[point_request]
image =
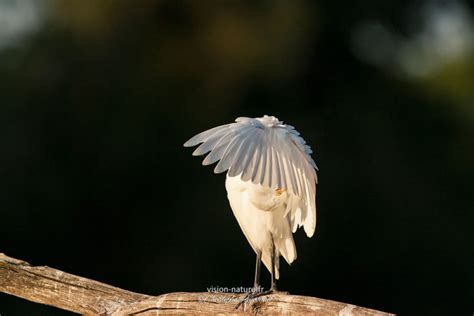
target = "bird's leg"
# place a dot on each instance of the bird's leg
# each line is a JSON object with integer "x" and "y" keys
{"x": 275, "y": 263}
{"x": 273, "y": 281}
{"x": 256, "y": 285}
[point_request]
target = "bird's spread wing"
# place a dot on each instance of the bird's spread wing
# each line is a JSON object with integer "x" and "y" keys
{"x": 266, "y": 152}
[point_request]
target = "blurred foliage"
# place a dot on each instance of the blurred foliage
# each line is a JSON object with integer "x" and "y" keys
{"x": 98, "y": 99}
{"x": 455, "y": 83}
{"x": 214, "y": 47}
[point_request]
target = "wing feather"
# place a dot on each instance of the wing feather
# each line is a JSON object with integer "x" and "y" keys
{"x": 245, "y": 159}
{"x": 237, "y": 167}
{"x": 277, "y": 182}
{"x": 210, "y": 143}
{"x": 232, "y": 150}
{"x": 268, "y": 172}
{"x": 285, "y": 183}
{"x": 260, "y": 175}
{"x": 218, "y": 149}
{"x": 272, "y": 154}
{"x": 204, "y": 136}
{"x": 257, "y": 169}
{"x": 289, "y": 161}
{"x": 254, "y": 156}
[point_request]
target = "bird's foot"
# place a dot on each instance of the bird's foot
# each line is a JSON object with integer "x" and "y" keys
{"x": 256, "y": 293}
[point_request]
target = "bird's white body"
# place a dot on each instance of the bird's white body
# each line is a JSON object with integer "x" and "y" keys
{"x": 260, "y": 212}
{"x": 271, "y": 182}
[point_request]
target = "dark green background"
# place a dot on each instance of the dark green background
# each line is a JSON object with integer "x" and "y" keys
{"x": 96, "y": 104}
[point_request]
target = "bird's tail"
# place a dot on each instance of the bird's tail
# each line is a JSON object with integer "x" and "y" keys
{"x": 285, "y": 247}
{"x": 267, "y": 261}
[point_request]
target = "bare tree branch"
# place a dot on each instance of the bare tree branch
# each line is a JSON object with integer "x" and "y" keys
{"x": 53, "y": 287}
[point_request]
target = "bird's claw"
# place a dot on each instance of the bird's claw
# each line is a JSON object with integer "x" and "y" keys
{"x": 255, "y": 293}
{"x": 249, "y": 296}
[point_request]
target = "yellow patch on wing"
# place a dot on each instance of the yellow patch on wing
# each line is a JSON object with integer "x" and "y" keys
{"x": 279, "y": 192}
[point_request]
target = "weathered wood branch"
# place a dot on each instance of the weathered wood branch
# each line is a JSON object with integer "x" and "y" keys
{"x": 49, "y": 286}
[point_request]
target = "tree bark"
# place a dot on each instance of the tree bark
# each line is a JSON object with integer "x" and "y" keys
{"x": 53, "y": 287}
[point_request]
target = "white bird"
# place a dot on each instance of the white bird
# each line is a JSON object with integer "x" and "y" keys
{"x": 271, "y": 184}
